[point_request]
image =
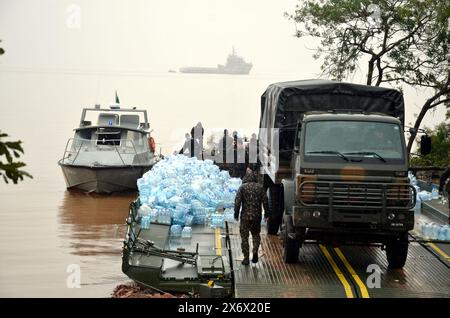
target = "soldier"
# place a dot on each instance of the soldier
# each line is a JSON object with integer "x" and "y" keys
{"x": 443, "y": 183}
{"x": 251, "y": 196}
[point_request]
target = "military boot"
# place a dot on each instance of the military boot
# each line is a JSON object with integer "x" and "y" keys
{"x": 255, "y": 258}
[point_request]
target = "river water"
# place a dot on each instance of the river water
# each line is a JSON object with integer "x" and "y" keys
{"x": 46, "y": 230}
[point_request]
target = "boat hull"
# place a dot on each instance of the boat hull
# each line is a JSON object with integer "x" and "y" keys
{"x": 213, "y": 70}
{"x": 102, "y": 179}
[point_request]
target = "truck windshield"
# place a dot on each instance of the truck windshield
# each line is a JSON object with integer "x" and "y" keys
{"x": 377, "y": 140}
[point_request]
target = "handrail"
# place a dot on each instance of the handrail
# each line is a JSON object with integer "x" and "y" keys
{"x": 135, "y": 151}
{"x": 78, "y": 152}
{"x": 123, "y": 162}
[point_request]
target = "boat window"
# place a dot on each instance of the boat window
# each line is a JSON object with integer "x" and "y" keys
{"x": 129, "y": 121}
{"x": 134, "y": 138}
{"x": 105, "y": 119}
{"x": 111, "y": 138}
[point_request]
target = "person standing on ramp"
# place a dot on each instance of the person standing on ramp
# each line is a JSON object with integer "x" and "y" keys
{"x": 252, "y": 197}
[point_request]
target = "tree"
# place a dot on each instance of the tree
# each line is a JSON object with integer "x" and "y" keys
{"x": 11, "y": 169}
{"x": 11, "y": 149}
{"x": 402, "y": 41}
{"x": 440, "y": 153}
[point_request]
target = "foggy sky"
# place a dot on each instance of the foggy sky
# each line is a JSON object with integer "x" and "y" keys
{"x": 153, "y": 36}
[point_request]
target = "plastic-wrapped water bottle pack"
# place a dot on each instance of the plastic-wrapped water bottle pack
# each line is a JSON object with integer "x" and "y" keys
{"x": 191, "y": 190}
{"x": 434, "y": 231}
{"x": 228, "y": 216}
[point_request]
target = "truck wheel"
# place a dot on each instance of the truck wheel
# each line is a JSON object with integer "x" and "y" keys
{"x": 397, "y": 251}
{"x": 291, "y": 247}
{"x": 276, "y": 203}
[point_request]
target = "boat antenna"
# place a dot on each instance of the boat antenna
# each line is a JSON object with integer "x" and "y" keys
{"x": 117, "y": 98}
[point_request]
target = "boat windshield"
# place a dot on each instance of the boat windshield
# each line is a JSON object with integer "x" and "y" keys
{"x": 134, "y": 119}
{"x": 378, "y": 141}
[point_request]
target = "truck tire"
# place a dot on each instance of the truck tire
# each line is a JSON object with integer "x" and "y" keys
{"x": 397, "y": 251}
{"x": 276, "y": 205}
{"x": 291, "y": 247}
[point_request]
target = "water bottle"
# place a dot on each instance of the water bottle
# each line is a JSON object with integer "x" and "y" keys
{"x": 167, "y": 217}
{"x": 442, "y": 233}
{"x": 175, "y": 230}
{"x": 186, "y": 232}
{"x": 425, "y": 229}
{"x": 153, "y": 216}
{"x": 418, "y": 206}
{"x": 188, "y": 220}
{"x": 145, "y": 222}
{"x": 144, "y": 193}
{"x": 434, "y": 231}
{"x": 435, "y": 193}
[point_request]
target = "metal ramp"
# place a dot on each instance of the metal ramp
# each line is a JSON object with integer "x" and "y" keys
{"x": 338, "y": 272}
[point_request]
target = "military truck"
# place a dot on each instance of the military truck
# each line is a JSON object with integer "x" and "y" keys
{"x": 334, "y": 163}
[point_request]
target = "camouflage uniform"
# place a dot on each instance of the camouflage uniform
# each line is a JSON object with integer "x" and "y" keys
{"x": 251, "y": 196}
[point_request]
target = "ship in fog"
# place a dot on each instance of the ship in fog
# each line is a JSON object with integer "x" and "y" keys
{"x": 235, "y": 64}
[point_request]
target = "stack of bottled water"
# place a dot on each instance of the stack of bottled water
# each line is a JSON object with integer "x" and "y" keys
{"x": 422, "y": 195}
{"x": 413, "y": 182}
{"x": 217, "y": 220}
{"x": 434, "y": 231}
{"x": 425, "y": 196}
{"x": 183, "y": 191}
{"x": 164, "y": 216}
{"x": 412, "y": 178}
{"x": 228, "y": 216}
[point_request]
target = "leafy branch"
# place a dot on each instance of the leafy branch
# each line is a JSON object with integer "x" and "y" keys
{"x": 11, "y": 169}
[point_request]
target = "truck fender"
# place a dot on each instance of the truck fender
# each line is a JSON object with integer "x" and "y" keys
{"x": 289, "y": 195}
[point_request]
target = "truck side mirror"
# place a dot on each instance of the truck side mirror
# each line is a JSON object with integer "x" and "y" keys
{"x": 425, "y": 145}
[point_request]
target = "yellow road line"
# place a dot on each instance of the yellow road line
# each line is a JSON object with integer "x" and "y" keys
{"x": 218, "y": 242}
{"x": 362, "y": 287}
{"x": 441, "y": 252}
{"x": 337, "y": 271}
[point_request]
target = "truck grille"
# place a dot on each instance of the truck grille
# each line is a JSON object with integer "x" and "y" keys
{"x": 357, "y": 195}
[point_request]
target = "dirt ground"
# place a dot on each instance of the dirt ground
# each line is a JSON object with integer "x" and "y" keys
{"x": 132, "y": 290}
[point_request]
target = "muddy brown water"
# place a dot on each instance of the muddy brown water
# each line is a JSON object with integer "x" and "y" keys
{"x": 38, "y": 249}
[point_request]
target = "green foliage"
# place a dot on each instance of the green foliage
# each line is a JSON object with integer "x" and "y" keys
{"x": 440, "y": 154}
{"x": 402, "y": 40}
{"x": 11, "y": 169}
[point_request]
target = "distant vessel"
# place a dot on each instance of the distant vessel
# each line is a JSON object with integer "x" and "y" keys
{"x": 235, "y": 65}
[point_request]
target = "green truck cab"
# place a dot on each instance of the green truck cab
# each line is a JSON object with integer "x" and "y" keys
{"x": 334, "y": 162}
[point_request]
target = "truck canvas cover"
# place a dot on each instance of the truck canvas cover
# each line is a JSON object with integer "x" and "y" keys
{"x": 283, "y": 105}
